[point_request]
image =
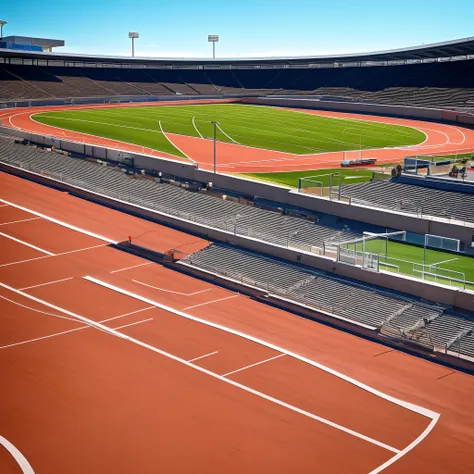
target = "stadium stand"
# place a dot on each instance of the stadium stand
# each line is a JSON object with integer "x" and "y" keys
{"x": 394, "y": 315}
{"x": 439, "y": 84}
{"x": 234, "y": 217}
{"x": 412, "y": 198}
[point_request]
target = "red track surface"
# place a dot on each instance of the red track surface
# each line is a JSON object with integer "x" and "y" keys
{"x": 86, "y": 401}
{"x": 441, "y": 139}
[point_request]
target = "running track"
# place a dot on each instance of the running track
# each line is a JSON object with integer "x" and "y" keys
{"x": 440, "y": 139}
{"x": 181, "y": 395}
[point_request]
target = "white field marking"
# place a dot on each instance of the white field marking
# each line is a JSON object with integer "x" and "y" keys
{"x": 253, "y": 365}
{"x": 61, "y": 223}
{"x": 26, "y": 243}
{"x": 47, "y": 283}
{"x": 133, "y": 266}
{"x": 172, "y": 291}
{"x": 210, "y": 302}
{"x": 54, "y": 255}
{"x": 195, "y": 128}
{"x": 409, "y": 406}
{"x": 444, "y": 261}
{"x": 14, "y": 344}
{"x": 228, "y": 136}
{"x": 169, "y": 139}
{"x": 21, "y": 220}
{"x": 202, "y": 357}
{"x": 133, "y": 324}
{"x": 118, "y": 334}
{"x": 25, "y": 466}
{"x": 409, "y": 447}
{"x": 3, "y": 205}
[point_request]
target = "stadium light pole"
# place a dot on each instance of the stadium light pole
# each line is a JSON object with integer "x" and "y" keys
{"x": 132, "y": 35}
{"x": 215, "y": 141}
{"x": 213, "y": 39}
{"x": 2, "y": 22}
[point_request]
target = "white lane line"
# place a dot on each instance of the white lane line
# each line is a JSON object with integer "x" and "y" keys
{"x": 172, "y": 291}
{"x": 61, "y": 223}
{"x": 133, "y": 266}
{"x": 133, "y": 324}
{"x": 202, "y": 357}
{"x": 47, "y": 283}
{"x": 195, "y": 128}
{"x": 25, "y": 466}
{"x": 54, "y": 255}
{"x": 113, "y": 332}
{"x": 253, "y": 365}
{"x": 210, "y": 302}
{"x": 21, "y": 343}
{"x": 444, "y": 261}
{"x": 21, "y": 220}
{"x": 402, "y": 403}
{"x": 26, "y": 243}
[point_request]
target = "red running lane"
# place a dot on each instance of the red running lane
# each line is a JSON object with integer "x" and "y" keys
{"x": 441, "y": 139}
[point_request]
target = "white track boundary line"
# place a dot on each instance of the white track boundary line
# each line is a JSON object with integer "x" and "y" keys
{"x": 27, "y": 244}
{"x": 210, "y": 302}
{"x": 21, "y": 220}
{"x": 47, "y": 283}
{"x": 61, "y": 223}
{"x": 409, "y": 406}
{"x": 195, "y": 127}
{"x": 25, "y": 466}
{"x": 203, "y": 356}
{"x": 228, "y": 136}
{"x": 172, "y": 291}
{"x": 133, "y": 324}
{"x": 253, "y": 365}
{"x": 169, "y": 140}
{"x": 133, "y": 266}
{"x": 113, "y": 332}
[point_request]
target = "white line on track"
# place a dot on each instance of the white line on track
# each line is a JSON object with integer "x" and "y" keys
{"x": 61, "y": 223}
{"x": 210, "y": 302}
{"x": 21, "y": 220}
{"x": 27, "y": 244}
{"x": 203, "y": 356}
{"x": 172, "y": 291}
{"x": 253, "y": 365}
{"x": 172, "y": 144}
{"x": 133, "y": 266}
{"x": 133, "y": 324}
{"x": 25, "y": 466}
{"x": 47, "y": 283}
{"x": 264, "y": 396}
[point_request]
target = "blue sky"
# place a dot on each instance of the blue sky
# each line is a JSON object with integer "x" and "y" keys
{"x": 246, "y": 28}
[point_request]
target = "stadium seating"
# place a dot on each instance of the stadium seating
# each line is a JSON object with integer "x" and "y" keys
{"x": 232, "y": 216}
{"x": 438, "y": 84}
{"x": 411, "y": 198}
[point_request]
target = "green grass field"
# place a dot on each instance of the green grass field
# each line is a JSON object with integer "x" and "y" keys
{"x": 256, "y": 126}
{"x": 290, "y": 179}
{"x": 401, "y": 258}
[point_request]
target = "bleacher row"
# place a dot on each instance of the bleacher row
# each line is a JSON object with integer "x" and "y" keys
{"x": 445, "y": 85}
{"x": 393, "y": 315}
{"x": 211, "y": 211}
{"x": 411, "y": 198}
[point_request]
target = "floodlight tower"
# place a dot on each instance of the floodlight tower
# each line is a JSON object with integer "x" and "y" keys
{"x": 132, "y": 35}
{"x": 213, "y": 39}
{"x": 2, "y": 22}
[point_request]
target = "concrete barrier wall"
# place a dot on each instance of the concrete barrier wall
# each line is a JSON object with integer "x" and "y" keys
{"x": 426, "y": 290}
{"x": 279, "y": 194}
{"x": 365, "y": 108}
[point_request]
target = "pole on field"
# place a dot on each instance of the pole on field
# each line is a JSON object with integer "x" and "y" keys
{"x": 215, "y": 141}
{"x": 132, "y": 35}
{"x": 213, "y": 39}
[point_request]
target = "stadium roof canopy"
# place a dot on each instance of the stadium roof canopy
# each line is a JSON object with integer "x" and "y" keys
{"x": 44, "y": 43}
{"x": 455, "y": 49}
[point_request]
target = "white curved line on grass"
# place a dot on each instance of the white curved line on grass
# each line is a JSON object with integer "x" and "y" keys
{"x": 172, "y": 144}
{"x": 25, "y": 466}
{"x": 195, "y": 127}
